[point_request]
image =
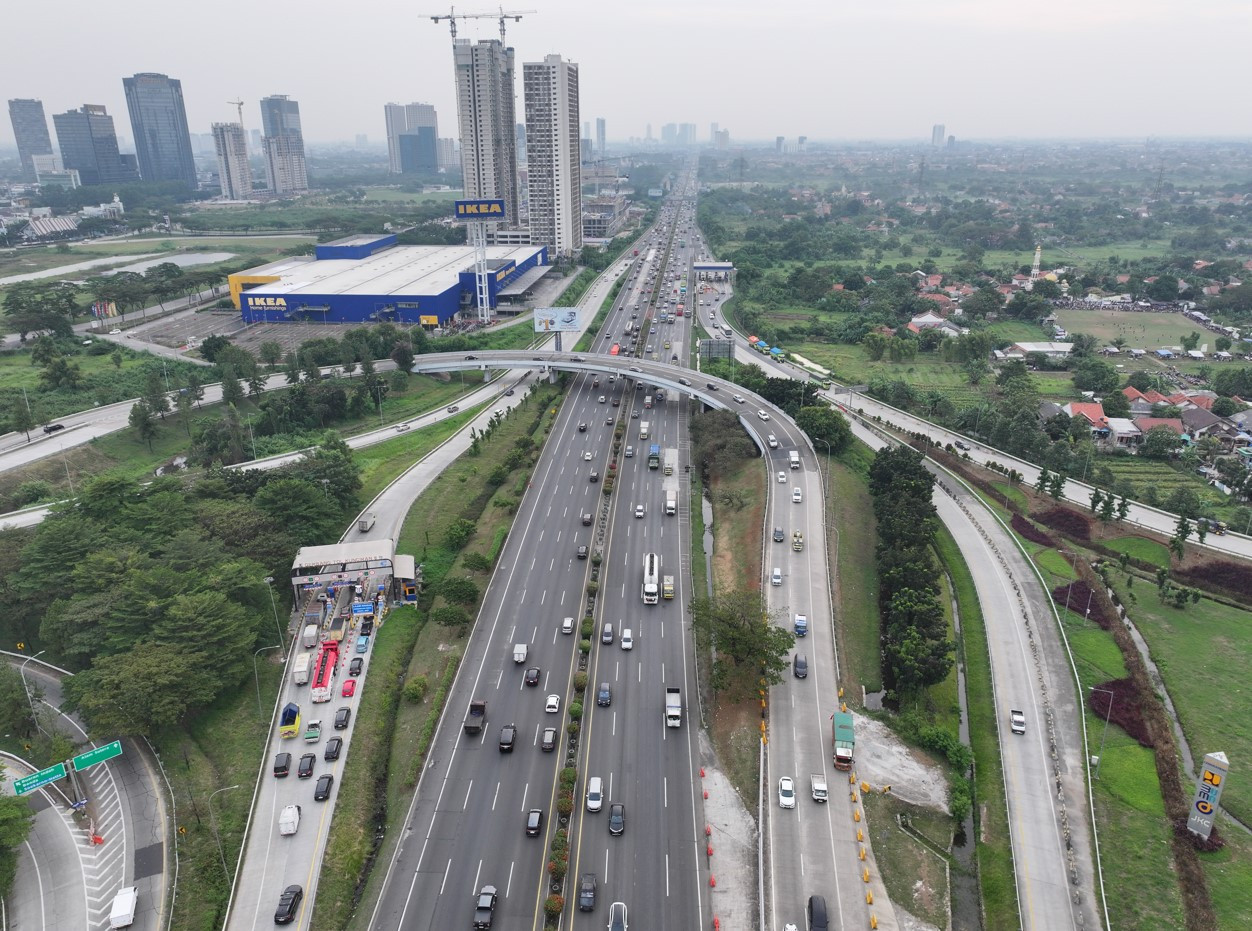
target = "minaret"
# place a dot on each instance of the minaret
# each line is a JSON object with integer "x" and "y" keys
{"x": 1034, "y": 269}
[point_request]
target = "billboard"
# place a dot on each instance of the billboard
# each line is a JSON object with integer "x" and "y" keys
{"x": 556, "y": 320}
{"x": 1208, "y": 793}
{"x": 479, "y": 209}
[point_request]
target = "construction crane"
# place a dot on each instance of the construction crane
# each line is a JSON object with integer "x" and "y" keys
{"x": 502, "y": 14}
{"x": 237, "y": 104}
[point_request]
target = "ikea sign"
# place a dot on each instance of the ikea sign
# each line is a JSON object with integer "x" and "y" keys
{"x": 479, "y": 209}
{"x": 256, "y": 302}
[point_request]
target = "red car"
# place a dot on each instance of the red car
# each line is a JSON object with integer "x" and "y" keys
{"x": 349, "y": 688}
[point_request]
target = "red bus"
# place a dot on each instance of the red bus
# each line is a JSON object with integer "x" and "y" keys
{"x": 615, "y": 350}
{"x": 325, "y": 667}
{"x": 679, "y": 312}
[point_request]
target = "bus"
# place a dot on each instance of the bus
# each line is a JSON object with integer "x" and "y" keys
{"x": 325, "y": 667}
{"x": 651, "y": 590}
{"x": 616, "y": 350}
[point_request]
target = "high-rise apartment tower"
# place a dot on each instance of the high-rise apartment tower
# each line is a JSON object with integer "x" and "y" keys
{"x": 554, "y": 177}
{"x": 484, "y": 100}
{"x": 30, "y": 129}
{"x": 231, "y": 145}
{"x": 158, "y": 119}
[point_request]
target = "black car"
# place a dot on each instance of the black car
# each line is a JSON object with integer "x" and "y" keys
{"x": 548, "y": 744}
{"x": 282, "y": 764}
{"x": 470, "y": 358}
{"x": 532, "y": 676}
{"x": 342, "y": 717}
{"x": 354, "y": 667}
{"x": 582, "y": 428}
{"x": 604, "y": 696}
{"x": 367, "y": 627}
{"x": 587, "y": 892}
{"x": 321, "y": 791}
{"x": 306, "y": 765}
{"x": 508, "y": 736}
{"x": 485, "y": 907}
{"x": 53, "y": 427}
{"x": 617, "y": 819}
{"x": 333, "y": 746}
{"x": 779, "y": 536}
{"x": 534, "y": 822}
{"x": 960, "y": 445}
{"x": 288, "y": 905}
{"x": 800, "y": 666}
{"x": 594, "y": 476}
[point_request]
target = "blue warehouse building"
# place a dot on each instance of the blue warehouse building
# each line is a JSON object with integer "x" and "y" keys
{"x": 370, "y": 279}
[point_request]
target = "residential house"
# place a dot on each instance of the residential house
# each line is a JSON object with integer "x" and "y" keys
{"x": 1124, "y": 433}
{"x": 1093, "y": 413}
{"x": 1052, "y": 350}
{"x": 1047, "y": 410}
{"x": 1140, "y": 405}
{"x": 1199, "y": 422}
{"x": 1147, "y": 424}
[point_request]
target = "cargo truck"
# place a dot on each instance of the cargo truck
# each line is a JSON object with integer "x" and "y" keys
{"x": 122, "y": 914}
{"x": 309, "y": 638}
{"x": 650, "y": 590}
{"x": 797, "y": 541}
{"x": 645, "y": 430}
{"x": 654, "y": 456}
{"x": 671, "y": 461}
{"x": 476, "y": 719}
{"x": 673, "y": 708}
{"x": 289, "y": 723}
{"x": 794, "y": 458}
{"x": 801, "y": 625}
{"x": 667, "y": 587}
{"x": 300, "y": 675}
{"x": 817, "y": 783}
{"x": 366, "y": 522}
{"x": 289, "y": 820}
{"x": 845, "y": 740}
{"x": 671, "y": 502}
{"x": 337, "y": 627}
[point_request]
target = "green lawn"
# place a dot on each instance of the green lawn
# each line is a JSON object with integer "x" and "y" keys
{"x": 1141, "y": 548}
{"x": 1140, "y": 330}
{"x": 851, "y": 548}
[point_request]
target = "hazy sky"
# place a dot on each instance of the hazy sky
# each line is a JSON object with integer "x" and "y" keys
{"x": 876, "y": 69}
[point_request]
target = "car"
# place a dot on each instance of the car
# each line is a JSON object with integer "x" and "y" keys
{"x": 800, "y": 666}
{"x": 534, "y": 822}
{"x": 586, "y": 518}
{"x": 628, "y": 639}
{"x": 617, "y": 402}
{"x": 602, "y": 399}
{"x": 761, "y": 415}
{"x": 53, "y": 427}
{"x": 606, "y": 634}
{"x": 796, "y": 495}
{"x": 115, "y": 332}
{"x": 553, "y": 704}
{"x": 594, "y": 476}
{"x": 582, "y": 551}
{"x": 509, "y": 393}
{"x": 782, "y": 478}
{"x": 453, "y": 408}
{"x": 485, "y": 907}
{"x": 617, "y": 917}
{"x": 772, "y": 441}
{"x": 634, "y": 415}
{"x": 282, "y": 765}
{"x": 638, "y": 510}
{"x": 354, "y": 667}
{"x": 604, "y": 695}
{"x": 342, "y": 717}
{"x": 817, "y": 914}
{"x": 567, "y": 625}
{"x": 635, "y": 368}
{"x": 595, "y": 382}
{"x": 306, "y": 765}
{"x": 532, "y": 676}
{"x": 779, "y": 536}
{"x": 960, "y": 445}
{"x": 685, "y": 381}
{"x": 710, "y": 386}
{"x": 367, "y": 626}
{"x": 548, "y": 743}
{"x": 587, "y": 456}
{"x": 333, "y": 748}
{"x": 288, "y": 905}
{"x": 363, "y": 643}
{"x": 617, "y": 819}
{"x": 582, "y": 428}
{"x": 786, "y": 792}
{"x": 349, "y": 688}
{"x": 652, "y": 331}
{"x": 775, "y": 577}
{"x": 1017, "y": 722}
{"x": 401, "y": 427}
{"x": 630, "y": 452}
{"x": 470, "y": 358}
{"x": 499, "y": 412}
{"x": 608, "y": 421}
{"x": 321, "y": 792}
{"x": 508, "y": 737}
{"x": 587, "y": 892}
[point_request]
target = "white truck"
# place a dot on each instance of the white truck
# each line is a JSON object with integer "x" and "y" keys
{"x": 671, "y": 502}
{"x": 519, "y": 653}
{"x": 122, "y": 914}
{"x": 817, "y": 784}
{"x": 366, "y": 522}
{"x": 673, "y": 707}
{"x": 794, "y": 458}
{"x": 289, "y": 820}
{"x": 300, "y": 674}
{"x": 309, "y": 638}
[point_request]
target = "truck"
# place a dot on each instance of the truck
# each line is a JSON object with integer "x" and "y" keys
{"x": 845, "y": 740}
{"x": 337, "y": 627}
{"x": 671, "y": 502}
{"x": 654, "y": 455}
{"x": 650, "y": 590}
{"x": 794, "y": 458}
{"x": 797, "y": 541}
{"x": 1211, "y": 526}
{"x": 289, "y": 722}
{"x": 519, "y": 653}
{"x": 667, "y": 587}
{"x": 313, "y": 732}
{"x": 645, "y": 429}
{"x": 476, "y": 719}
{"x": 300, "y": 675}
{"x": 817, "y": 785}
{"x": 673, "y": 707}
{"x": 122, "y": 914}
{"x": 647, "y": 402}
{"x": 671, "y": 461}
{"x": 801, "y": 625}
{"x": 289, "y": 820}
{"x": 365, "y": 523}
{"x": 309, "y": 638}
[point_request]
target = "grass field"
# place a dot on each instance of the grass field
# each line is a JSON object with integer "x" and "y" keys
{"x": 1140, "y": 330}
{"x": 851, "y": 548}
{"x": 917, "y": 877}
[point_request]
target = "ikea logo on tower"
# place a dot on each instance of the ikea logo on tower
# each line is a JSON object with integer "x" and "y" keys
{"x": 479, "y": 209}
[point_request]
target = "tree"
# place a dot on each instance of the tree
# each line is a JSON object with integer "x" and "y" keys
{"x": 749, "y": 646}
{"x": 154, "y": 395}
{"x": 270, "y": 352}
{"x": 1222, "y": 344}
{"x": 22, "y": 420}
{"x": 459, "y": 589}
{"x": 450, "y": 616}
{"x": 1096, "y": 376}
{"x": 17, "y": 819}
{"x": 1056, "y": 486}
{"x": 139, "y": 692}
{"x": 825, "y": 425}
{"x": 143, "y": 422}
{"x": 232, "y": 390}
{"x": 458, "y": 534}
{"x": 402, "y": 355}
{"x": 210, "y": 346}
{"x": 1159, "y": 443}
{"x": 1181, "y": 532}
{"x": 1190, "y": 341}
{"x": 195, "y": 388}
{"x": 1116, "y": 404}
{"x": 62, "y": 374}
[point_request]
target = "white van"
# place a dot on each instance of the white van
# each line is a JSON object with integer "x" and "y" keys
{"x": 628, "y": 639}
{"x": 776, "y": 577}
{"x": 796, "y": 496}
{"x": 122, "y": 914}
{"x": 595, "y": 793}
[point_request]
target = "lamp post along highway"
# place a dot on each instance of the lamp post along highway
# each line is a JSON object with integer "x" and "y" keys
{"x": 1108, "y": 711}
{"x": 216, "y": 836}
{"x": 256, "y": 676}
{"x": 26, "y": 688}
{"x": 269, "y": 583}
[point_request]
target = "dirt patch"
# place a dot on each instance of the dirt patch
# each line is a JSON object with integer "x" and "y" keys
{"x": 736, "y": 734}
{"x": 882, "y": 759}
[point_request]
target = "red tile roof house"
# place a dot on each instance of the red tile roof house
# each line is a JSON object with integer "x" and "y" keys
{"x": 1093, "y": 411}
{"x": 1146, "y": 424}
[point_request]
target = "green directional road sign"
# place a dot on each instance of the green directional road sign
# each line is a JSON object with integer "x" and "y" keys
{"x": 41, "y": 778}
{"x": 98, "y": 755}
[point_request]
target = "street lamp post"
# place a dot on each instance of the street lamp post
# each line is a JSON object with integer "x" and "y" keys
{"x": 269, "y": 583}
{"x": 256, "y": 676}
{"x": 826, "y": 490}
{"x": 26, "y": 688}
{"x": 1107, "y": 713}
{"x": 216, "y": 836}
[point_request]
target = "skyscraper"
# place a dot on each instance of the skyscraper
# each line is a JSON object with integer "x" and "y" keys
{"x": 285, "y": 170}
{"x": 30, "y": 129}
{"x": 406, "y": 118}
{"x": 419, "y": 151}
{"x": 88, "y": 144}
{"x": 600, "y": 133}
{"x": 484, "y": 98}
{"x": 158, "y": 119}
{"x": 554, "y": 176}
{"x": 231, "y": 146}
{"x": 937, "y": 134}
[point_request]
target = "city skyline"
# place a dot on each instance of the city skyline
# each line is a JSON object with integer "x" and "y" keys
{"x": 919, "y": 63}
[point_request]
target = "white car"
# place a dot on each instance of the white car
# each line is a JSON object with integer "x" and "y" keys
{"x": 739, "y": 399}
{"x": 567, "y": 625}
{"x": 761, "y": 415}
{"x": 786, "y": 793}
{"x": 773, "y": 441}
{"x": 603, "y": 399}
{"x": 796, "y": 496}
{"x": 587, "y": 458}
{"x": 553, "y": 704}
{"x": 782, "y": 478}
{"x": 639, "y": 510}
{"x": 115, "y": 332}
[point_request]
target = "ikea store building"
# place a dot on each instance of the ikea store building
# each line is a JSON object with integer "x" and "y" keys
{"x": 370, "y": 279}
